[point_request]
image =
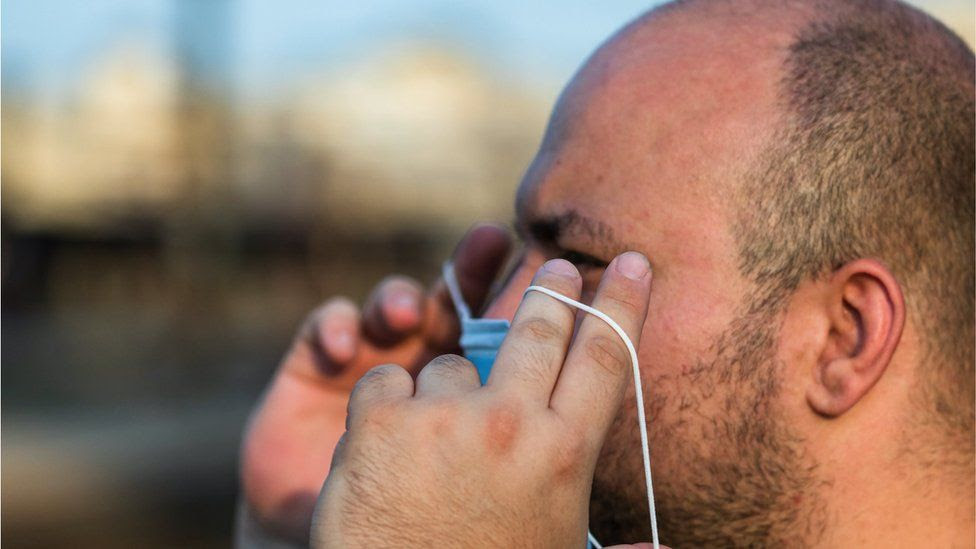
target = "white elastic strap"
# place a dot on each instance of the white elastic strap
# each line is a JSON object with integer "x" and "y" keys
{"x": 594, "y": 544}
{"x": 638, "y": 390}
{"x": 452, "y": 287}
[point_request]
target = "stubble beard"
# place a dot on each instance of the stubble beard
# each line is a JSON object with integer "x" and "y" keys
{"x": 738, "y": 478}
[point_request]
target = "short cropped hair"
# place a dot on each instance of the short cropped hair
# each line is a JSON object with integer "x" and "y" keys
{"x": 875, "y": 159}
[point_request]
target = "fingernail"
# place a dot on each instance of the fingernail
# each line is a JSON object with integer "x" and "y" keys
{"x": 633, "y": 265}
{"x": 403, "y": 300}
{"x": 342, "y": 343}
{"x": 560, "y": 267}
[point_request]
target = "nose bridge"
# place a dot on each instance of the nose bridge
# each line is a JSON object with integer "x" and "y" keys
{"x": 506, "y": 301}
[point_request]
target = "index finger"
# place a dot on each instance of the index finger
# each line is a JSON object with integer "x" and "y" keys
{"x": 596, "y": 370}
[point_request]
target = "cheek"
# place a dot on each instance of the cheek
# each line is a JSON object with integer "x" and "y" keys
{"x": 683, "y": 323}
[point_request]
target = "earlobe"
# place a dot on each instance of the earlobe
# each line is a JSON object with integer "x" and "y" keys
{"x": 867, "y": 314}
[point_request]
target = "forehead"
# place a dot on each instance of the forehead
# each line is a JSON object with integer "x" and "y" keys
{"x": 653, "y": 133}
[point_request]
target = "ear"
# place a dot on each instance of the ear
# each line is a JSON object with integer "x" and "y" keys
{"x": 866, "y": 311}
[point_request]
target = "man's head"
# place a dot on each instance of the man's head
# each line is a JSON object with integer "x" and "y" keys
{"x": 801, "y": 176}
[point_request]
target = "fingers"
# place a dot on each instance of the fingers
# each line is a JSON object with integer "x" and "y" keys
{"x": 386, "y": 383}
{"x": 447, "y": 375}
{"x": 598, "y": 366}
{"x": 533, "y": 352}
{"x": 333, "y": 331}
{"x": 393, "y": 310}
{"x": 478, "y": 258}
{"x": 397, "y": 309}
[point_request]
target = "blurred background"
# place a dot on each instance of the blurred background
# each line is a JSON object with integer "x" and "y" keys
{"x": 182, "y": 180}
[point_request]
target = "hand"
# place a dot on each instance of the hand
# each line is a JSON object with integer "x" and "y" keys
{"x": 444, "y": 462}
{"x": 289, "y": 442}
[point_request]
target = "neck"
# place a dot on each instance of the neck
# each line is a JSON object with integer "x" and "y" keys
{"x": 904, "y": 518}
{"x": 909, "y": 500}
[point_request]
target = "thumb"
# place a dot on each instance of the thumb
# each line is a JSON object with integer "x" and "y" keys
{"x": 479, "y": 256}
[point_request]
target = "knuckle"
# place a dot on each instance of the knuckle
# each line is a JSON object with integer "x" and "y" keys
{"x": 383, "y": 371}
{"x": 538, "y": 330}
{"x": 627, "y": 301}
{"x": 607, "y": 352}
{"x": 378, "y": 416}
{"x": 561, "y": 284}
{"x": 368, "y": 408}
{"x": 535, "y": 364}
{"x": 449, "y": 364}
{"x": 449, "y": 367}
{"x": 442, "y": 417}
{"x": 379, "y": 377}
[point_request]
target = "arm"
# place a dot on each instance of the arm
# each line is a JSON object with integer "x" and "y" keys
{"x": 289, "y": 441}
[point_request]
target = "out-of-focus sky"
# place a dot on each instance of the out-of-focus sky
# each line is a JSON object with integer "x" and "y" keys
{"x": 48, "y": 43}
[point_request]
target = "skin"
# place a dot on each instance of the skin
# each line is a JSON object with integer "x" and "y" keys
{"x": 464, "y": 456}
{"x": 783, "y": 427}
{"x": 290, "y": 439}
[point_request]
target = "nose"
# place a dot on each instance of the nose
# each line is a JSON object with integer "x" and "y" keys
{"x": 508, "y": 298}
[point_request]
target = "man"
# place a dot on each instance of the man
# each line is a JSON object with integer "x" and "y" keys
{"x": 800, "y": 176}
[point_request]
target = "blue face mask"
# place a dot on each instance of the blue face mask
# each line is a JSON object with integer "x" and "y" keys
{"x": 480, "y": 337}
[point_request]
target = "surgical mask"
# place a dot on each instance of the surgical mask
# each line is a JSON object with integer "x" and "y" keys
{"x": 482, "y": 337}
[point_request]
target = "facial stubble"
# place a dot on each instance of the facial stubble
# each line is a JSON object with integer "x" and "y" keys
{"x": 736, "y": 478}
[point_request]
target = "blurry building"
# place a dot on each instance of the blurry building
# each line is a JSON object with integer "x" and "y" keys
{"x": 107, "y": 157}
{"x": 418, "y": 137}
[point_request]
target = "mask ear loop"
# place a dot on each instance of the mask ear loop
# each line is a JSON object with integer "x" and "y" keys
{"x": 639, "y": 391}
{"x": 450, "y": 279}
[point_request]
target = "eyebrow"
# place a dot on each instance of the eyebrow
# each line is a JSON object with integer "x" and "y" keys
{"x": 553, "y": 231}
